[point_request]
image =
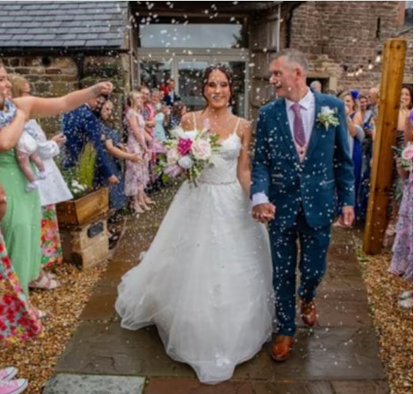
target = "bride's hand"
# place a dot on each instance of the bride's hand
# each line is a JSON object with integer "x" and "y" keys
{"x": 264, "y": 212}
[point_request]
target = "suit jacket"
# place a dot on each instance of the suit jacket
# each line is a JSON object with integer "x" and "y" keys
{"x": 79, "y": 127}
{"x": 291, "y": 185}
{"x": 168, "y": 99}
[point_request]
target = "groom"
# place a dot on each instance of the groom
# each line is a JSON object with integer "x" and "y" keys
{"x": 301, "y": 160}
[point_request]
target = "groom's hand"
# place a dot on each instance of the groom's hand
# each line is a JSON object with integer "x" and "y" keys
{"x": 264, "y": 212}
{"x": 348, "y": 216}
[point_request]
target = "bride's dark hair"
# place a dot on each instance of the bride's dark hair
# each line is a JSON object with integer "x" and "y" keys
{"x": 226, "y": 71}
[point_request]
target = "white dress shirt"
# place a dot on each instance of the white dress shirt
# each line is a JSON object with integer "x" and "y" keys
{"x": 307, "y": 110}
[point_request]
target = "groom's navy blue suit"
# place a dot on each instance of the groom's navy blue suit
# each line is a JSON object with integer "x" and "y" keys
{"x": 303, "y": 193}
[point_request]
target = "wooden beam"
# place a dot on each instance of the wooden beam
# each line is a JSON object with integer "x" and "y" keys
{"x": 383, "y": 158}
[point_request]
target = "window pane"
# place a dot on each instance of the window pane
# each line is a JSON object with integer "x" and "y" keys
{"x": 191, "y": 36}
{"x": 154, "y": 74}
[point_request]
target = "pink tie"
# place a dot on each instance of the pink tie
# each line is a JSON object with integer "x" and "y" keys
{"x": 299, "y": 132}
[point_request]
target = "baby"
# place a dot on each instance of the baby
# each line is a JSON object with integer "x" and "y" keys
{"x": 26, "y": 149}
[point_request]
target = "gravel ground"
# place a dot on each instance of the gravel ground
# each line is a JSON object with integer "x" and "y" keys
{"x": 36, "y": 359}
{"x": 394, "y": 325}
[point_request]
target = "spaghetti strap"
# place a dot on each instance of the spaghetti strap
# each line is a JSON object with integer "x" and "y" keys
{"x": 236, "y": 126}
{"x": 193, "y": 115}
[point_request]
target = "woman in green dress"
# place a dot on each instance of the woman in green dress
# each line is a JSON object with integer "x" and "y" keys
{"x": 21, "y": 224}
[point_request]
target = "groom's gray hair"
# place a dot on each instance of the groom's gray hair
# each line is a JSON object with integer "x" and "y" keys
{"x": 294, "y": 56}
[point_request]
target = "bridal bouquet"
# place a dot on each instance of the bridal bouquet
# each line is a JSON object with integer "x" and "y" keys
{"x": 189, "y": 152}
{"x": 405, "y": 157}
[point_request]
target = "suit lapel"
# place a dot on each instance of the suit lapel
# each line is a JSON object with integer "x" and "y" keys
{"x": 317, "y": 127}
{"x": 284, "y": 128}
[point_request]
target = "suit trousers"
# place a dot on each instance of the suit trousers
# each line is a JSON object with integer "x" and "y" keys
{"x": 314, "y": 243}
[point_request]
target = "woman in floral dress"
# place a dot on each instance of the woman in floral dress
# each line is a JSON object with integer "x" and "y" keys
{"x": 21, "y": 322}
{"x": 402, "y": 261}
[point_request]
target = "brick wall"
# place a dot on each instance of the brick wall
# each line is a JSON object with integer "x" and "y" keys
{"x": 338, "y": 34}
{"x": 53, "y": 76}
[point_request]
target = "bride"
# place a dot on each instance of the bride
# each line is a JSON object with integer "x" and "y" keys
{"x": 206, "y": 281}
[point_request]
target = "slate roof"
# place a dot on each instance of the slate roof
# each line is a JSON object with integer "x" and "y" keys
{"x": 63, "y": 25}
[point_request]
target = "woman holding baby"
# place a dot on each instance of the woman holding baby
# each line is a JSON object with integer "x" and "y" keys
{"x": 21, "y": 226}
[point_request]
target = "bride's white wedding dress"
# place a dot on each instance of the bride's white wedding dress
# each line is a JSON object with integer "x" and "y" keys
{"x": 206, "y": 281}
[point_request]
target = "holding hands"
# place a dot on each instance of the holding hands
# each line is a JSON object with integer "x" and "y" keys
{"x": 264, "y": 212}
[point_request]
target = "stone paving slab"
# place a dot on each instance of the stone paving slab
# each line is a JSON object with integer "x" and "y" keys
{"x": 94, "y": 384}
{"x": 189, "y": 386}
{"x": 324, "y": 354}
{"x": 362, "y": 387}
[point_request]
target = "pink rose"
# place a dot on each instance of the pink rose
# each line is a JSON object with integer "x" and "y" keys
{"x": 173, "y": 171}
{"x": 172, "y": 157}
{"x": 184, "y": 146}
{"x": 408, "y": 152}
{"x": 201, "y": 150}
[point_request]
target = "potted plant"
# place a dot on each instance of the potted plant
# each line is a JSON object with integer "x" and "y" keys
{"x": 82, "y": 221}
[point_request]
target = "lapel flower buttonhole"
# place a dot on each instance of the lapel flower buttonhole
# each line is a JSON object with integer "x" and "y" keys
{"x": 328, "y": 117}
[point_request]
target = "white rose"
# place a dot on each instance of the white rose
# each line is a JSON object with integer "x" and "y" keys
{"x": 177, "y": 132}
{"x": 186, "y": 162}
{"x": 190, "y": 134}
{"x": 201, "y": 150}
{"x": 327, "y": 111}
{"x": 172, "y": 157}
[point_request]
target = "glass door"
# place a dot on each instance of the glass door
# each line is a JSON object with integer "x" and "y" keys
{"x": 189, "y": 74}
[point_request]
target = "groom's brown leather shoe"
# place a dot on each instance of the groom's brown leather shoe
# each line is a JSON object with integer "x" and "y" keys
{"x": 308, "y": 312}
{"x": 281, "y": 348}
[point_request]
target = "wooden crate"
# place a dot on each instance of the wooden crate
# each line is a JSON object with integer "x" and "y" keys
{"x": 83, "y": 210}
{"x": 81, "y": 247}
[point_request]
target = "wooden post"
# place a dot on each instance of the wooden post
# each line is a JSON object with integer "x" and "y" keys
{"x": 383, "y": 155}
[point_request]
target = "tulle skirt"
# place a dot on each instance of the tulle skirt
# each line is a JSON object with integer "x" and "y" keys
{"x": 206, "y": 282}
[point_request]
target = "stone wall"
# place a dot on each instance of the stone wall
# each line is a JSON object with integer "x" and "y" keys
{"x": 339, "y": 37}
{"x": 54, "y": 76}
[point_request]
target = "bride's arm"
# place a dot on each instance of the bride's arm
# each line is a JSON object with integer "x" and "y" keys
{"x": 244, "y": 167}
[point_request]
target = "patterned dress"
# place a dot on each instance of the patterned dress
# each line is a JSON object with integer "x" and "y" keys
{"x": 402, "y": 262}
{"x": 137, "y": 174}
{"x": 18, "y": 321}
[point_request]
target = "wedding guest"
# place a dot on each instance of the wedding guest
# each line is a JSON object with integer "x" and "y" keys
{"x": 19, "y": 321}
{"x": 373, "y": 96}
{"x": 161, "y": 118}
{"x": 137, "y": 174}
{"x": 8, "y": 383}
{"x": 402, "y": 261}
{"x": 171, "y": 97}
{"x": 367, "y": 146}
{"x": 396, "y": 191}
{"x": 148, "y": 113}
{"x": 178, "y": 110}
{"x": 356, "y": 136}
{"x": 80, "y": 127}
{"x": 115, "y": 152}
{"x": 161, "y": 115}
{"x": 23, "y": 216}
{"x": 317, "y": 86}
{"x": 52, "y": 190}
